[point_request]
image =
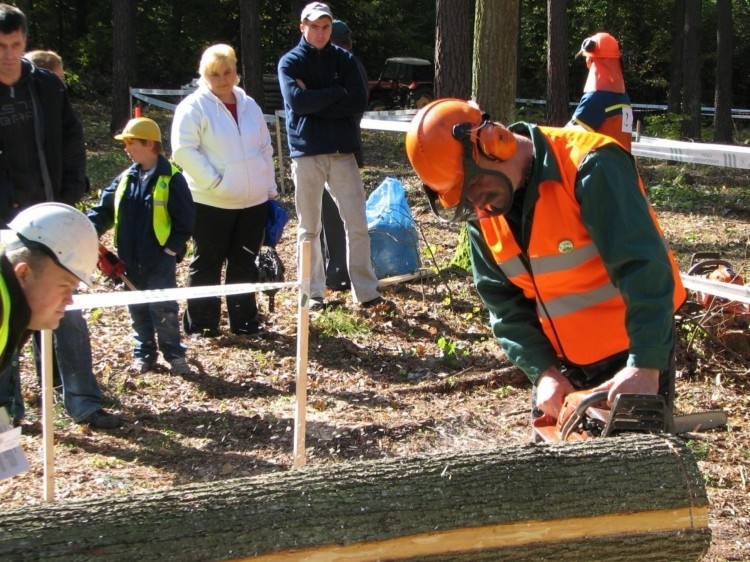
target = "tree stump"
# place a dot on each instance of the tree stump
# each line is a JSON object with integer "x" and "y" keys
{"x": 638, "y": 497}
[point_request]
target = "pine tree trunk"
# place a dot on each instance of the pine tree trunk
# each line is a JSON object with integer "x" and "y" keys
{"x": 558, "y": 61}
{"x": 123, "y": 65}
{"x": 494, "y": 73}
{"x": 615, "y": 499}
{"x": 454, "y": 41}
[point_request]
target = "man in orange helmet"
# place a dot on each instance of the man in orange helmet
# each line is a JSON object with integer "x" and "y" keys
{"x": 566, "y": 252}
{"x": 605, "y": 106}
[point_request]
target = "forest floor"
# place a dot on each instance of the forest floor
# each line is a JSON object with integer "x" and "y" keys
{"x": 428, "y": 378}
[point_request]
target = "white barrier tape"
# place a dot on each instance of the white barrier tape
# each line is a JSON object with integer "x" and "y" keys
{"x": 153, "y": 101}
{"x": 141, "y": 94}
{"x": 124, "y": 298}
{"x": 739, "y": 293}
{"x": 162, "y": 92}
{"x": 380, "y": 125}
{"x": 724, "y": 155}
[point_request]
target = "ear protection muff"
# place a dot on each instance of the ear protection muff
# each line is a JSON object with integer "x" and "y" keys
{"x": 588, "y": 45}
{"x": 497, "y": 142}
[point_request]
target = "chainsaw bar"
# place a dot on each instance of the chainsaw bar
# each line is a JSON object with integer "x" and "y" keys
{"x": 700, "y": 421}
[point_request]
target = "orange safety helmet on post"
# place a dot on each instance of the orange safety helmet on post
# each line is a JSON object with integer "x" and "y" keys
{"x": 600, "y": 45}
{"x": 445, "y": 136}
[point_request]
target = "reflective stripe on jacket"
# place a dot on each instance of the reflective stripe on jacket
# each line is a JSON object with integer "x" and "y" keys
{"x": 161, "y": 220}
{"x": 581, "y": 312}
{"x": 5, "y": 318}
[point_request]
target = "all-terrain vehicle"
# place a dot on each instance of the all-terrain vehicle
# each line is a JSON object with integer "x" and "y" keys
{"x": 405, "y": 83}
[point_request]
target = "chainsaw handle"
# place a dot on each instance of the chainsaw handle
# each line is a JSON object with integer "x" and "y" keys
{"x": 579, "y": 412}
{"x": 707, "y": 266}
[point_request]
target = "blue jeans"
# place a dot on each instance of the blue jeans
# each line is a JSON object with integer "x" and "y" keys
{"x": 82, "y": 395}
{"x": 159, "y": 319}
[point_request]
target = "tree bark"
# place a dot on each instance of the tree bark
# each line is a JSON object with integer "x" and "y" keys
{"x": 252, "y": 53}
{"x": 558, "y": 110}
{"x": 723, "y": 128}
{"x": 691, "y": 75}
{"x": 674, "y": 95}
{"x": 453, "y": 48}
{"x": 123, "y": 65}
{"x": 495, "y": 58}
{"x": 616, "y": 499}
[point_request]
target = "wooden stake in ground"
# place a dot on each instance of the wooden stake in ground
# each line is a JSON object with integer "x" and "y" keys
{"x": 303, "y": 328}
{"x": 625, "y": 498}
{"x": 48, "y": 428}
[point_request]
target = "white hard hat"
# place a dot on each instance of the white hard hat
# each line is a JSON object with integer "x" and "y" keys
{"x": 65, "y": 232}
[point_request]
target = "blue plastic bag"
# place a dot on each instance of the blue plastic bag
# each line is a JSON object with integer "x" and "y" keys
{"x": 394, "y": 243}
{"x": 277, "y": 219}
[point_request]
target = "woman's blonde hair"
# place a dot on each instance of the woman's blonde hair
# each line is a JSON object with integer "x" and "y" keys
{"x": 213, "y": 57}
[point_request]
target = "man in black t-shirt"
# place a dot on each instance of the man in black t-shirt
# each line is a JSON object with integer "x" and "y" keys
{"x": 43, "y": 159}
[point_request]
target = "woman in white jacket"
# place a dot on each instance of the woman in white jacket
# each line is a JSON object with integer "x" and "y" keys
{"x": 222, "y": 143}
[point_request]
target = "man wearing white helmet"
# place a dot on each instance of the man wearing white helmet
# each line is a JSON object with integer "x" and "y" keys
{"x": 50, "y": 249}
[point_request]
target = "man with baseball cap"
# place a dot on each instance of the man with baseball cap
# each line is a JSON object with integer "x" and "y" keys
{"x": 324, "y": 93}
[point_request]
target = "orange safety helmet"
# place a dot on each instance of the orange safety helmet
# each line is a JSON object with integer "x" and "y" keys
{"x": 438, "y": 141}
{"x": 601, "y": 45}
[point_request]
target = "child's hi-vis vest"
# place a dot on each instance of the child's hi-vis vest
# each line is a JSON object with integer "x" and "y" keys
{"x": 581, "y": 311}
{"x": 161, "y": 219}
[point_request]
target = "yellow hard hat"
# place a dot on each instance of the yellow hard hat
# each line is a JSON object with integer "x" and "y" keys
{"x": 141, "y": 128}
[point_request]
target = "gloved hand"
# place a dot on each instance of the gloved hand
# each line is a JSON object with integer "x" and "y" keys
{"x": 110, "y": 265}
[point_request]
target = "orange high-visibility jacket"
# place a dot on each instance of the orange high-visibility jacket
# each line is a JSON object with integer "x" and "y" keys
{"x": 581, "y": 311}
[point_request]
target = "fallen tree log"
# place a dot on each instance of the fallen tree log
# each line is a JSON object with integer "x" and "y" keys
{"x": 625, "y": 498}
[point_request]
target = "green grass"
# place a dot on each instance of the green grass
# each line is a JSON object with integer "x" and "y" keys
{"x": 699, "y": 449}
{"x": 338, "y": 321}
{"x": 692, "y": 188}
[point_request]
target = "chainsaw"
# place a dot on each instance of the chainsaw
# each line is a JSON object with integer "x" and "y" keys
{"x": 113, "y": 267}
{"x": 585, "y": 414}
{"x": 709, "y": 265}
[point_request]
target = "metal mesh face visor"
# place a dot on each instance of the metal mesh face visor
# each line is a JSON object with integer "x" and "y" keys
{"x": 485, "y": 193}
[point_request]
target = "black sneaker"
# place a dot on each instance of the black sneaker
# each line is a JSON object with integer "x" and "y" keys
{"x": 143, "y": 366}
{"x": 317, "y": 305}
{"x": 179, "y": 366}
{"x": 380, "y": 304}
{"x": 338, "y": 284}
{"x": 102, "y": 419}
{"x": 250, "y": 328}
